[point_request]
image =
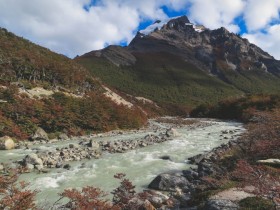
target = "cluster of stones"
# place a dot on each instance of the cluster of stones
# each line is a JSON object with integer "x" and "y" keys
{"x": 88, "y": 150}
{"x": 125, "y": 145}
{"x": 60, "y": 157}
{"x": 185, "y": 180}
{"x": 182, "y": 183}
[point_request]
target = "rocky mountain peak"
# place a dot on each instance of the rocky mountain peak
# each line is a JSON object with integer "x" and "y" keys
{"x": 157, "y": 21}
{"x": 183, "y": 20}
{"x": 210, "y": 50}
{"x": 185, "y": 58}
{"x": 221, "y": 32}
{"x": 177, "y": 23}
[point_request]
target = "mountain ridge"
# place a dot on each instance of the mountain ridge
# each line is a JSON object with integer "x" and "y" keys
{"x": 182, "y": 50}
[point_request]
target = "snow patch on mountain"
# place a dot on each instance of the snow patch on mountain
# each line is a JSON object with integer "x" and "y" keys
{"x": 156, "y": 26}
{"x": 159, "y": 24}
{"x": 199, "y": 28}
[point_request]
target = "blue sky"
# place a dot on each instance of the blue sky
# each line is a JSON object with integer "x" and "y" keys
{"x": 167, "y": 11}
{"x": 74, "y": 27}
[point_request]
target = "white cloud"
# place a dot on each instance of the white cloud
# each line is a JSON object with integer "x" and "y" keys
{"x": 269, "y": 41}
{"x": 65, "y": 27}
{"x": 178, "y": 4}
{"x": 259, "y": 13}
{"x": 216, "y": 13}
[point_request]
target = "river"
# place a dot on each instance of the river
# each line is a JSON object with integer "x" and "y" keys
{"x": 141, "y": 165}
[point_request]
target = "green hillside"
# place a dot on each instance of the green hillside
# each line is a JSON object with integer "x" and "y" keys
{"x": 178, "y": 64}
{"x": 162, "y": 77}
{"x": 75, "y": 106}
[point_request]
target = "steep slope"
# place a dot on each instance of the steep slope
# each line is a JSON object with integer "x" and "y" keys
{"x": 178, "y": 62}
{"x": 20, "y": 60}
{"x": 39, "y": 88}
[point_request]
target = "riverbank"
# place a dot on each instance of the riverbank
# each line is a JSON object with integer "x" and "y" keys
{"x": 141, "y": 164}
{"x": 57, "y": 153}
{"x": 244, "y": 173}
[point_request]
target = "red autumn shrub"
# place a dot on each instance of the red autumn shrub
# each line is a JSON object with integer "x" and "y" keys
{"x": 87, "y": 199}
{"x": 265, "y": 181}
{"x": 14, "y": 195}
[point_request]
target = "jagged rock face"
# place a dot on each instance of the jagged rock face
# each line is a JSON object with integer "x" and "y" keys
{"x": 211, "y": 50}
{"x": 175, "y": 61}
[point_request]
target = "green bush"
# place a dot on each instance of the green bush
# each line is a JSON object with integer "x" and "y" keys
{"x": 256, "y": 203}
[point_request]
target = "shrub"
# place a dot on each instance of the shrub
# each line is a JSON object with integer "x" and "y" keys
{"x": 14, "y": 195}
{"x": 256, "y": 203}
{"x": 261, "y": 177}
{"x": 61, "y": 113}
{"x": 86, "y": 199}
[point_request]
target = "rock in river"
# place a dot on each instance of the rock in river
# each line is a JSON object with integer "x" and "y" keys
{"x": 170, "y": 182}
{"x": 32, "y": 159}
{"x": 93, "y": 144}
{"x": 62, "y": 136}
{"x": 6, "y": 143}
{"x": 165, "y": 157}
{"x": 39, "y": 135}
{"x": 172, "y": 132}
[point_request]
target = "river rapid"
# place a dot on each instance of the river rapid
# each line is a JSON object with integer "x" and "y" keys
{"x": 141, "y": 165}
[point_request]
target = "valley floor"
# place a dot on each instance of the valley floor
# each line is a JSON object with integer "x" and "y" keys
{"x": 227, "y": 168}
{"x": 178, "y": 140}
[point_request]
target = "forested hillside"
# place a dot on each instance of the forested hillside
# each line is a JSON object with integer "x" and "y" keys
{"x": 67, "y": 100}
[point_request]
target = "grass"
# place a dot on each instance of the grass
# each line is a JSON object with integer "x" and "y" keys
{"x": 32, "y": 65}
{"x": 256, "y": 203}
{"x": 162, "y": 77}
{"x": 167, "y": 78}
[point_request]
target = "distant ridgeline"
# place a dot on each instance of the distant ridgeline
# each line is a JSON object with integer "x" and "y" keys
{"x": 176, "y": 62}
{"x": 39, "y": 88}
{"x": 169, "y": 68}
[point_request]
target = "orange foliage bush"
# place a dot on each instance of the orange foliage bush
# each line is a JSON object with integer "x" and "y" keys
{"x": 15, "y": 196}
{"x": 86, "y": 199}
{"x": 21, "y": 116}
{"x": 124, "y": 197}
{"x": 265, "y": 181}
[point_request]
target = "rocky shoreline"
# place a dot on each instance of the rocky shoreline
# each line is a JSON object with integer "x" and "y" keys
{"x": 61, "y": 157}
{"x": 94, "y": 146}
{"x": 182, "y": 185}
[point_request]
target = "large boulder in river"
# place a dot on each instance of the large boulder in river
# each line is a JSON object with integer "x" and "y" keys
{"x": 93, "y": 144}
{"x": 39, "y": 135}
{"x": 62, "y": 136}
{"x": 170, "y": 182}
{"x": 7, "y": 143}
{"x": 172, "y": 132}
{"x": 33, "y": 159}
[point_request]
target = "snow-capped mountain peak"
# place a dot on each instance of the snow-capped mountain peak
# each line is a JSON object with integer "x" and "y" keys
{"x": 157, "y": 25}
{"x": 183, "y": 21}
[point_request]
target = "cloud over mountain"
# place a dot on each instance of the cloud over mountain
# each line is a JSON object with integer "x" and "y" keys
{"x": 74, "y": 27}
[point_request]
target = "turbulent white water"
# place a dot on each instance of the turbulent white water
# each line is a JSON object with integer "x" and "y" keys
{"x": 141, "y": 165}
